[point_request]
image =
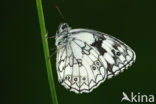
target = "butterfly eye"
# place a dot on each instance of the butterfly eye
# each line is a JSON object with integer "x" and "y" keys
{"x": 64, "y": 26}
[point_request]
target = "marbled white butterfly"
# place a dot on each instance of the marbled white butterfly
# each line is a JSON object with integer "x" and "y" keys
{"x": 86, "y": 58}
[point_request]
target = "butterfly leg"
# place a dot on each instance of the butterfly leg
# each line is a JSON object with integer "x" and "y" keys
{"x": 50, "y": 37}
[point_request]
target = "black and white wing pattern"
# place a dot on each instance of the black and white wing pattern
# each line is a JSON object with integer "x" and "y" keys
{"x": 89, "y": 58}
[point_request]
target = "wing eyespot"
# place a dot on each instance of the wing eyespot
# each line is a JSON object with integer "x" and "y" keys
{"x": 79, "y": 61}
{"x": 118, "y": 53}
{"x": 93, "y": 67}
{"x": 75, "y": 79}
{"x": 97, "y": 63}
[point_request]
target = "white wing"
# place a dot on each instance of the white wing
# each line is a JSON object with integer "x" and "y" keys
{"x": 89, "y": 58}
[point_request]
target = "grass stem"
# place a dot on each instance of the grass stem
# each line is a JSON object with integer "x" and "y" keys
{"x": 46, "y": 51}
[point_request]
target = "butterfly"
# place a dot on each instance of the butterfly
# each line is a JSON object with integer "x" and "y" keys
{"x": 86, "y": 58}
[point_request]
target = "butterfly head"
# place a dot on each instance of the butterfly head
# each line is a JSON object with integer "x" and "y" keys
{"x": 63, "y": 28}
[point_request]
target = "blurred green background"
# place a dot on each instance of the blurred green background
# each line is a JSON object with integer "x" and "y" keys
{"x": 23, "y": 71}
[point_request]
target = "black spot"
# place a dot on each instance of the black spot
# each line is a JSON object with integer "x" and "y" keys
{"x": 97, "y": 63}
{"x": 68, "y": 77}
{"x": 59, "y": 43}
{"x": 66, "y": 36}
{"x": 94, "y": 67}
{"x": 115, "y": 46}
{"x": 118, "y": 53}
{"x": 79, "y": 61}
{"x": 87, "y": 52}
{"x": 113, "y": 51}
{"x": 64, "y": 26}
{"x": 75, "y": 79}
{"x": 109, "y": 68}
{"x": 98, "y": 46}
{"x": 83, "y": 78}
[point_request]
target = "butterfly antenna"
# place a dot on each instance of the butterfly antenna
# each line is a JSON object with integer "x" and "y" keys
{"x": 60, "y": 12}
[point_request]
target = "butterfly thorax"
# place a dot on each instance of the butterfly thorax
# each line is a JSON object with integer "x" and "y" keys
{"x": 62, "y": 35}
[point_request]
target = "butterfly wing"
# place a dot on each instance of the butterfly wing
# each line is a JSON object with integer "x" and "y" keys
{"x": 89, "y": 58}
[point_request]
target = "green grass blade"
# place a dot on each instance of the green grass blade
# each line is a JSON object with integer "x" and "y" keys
{"x": 46, "y": 51}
